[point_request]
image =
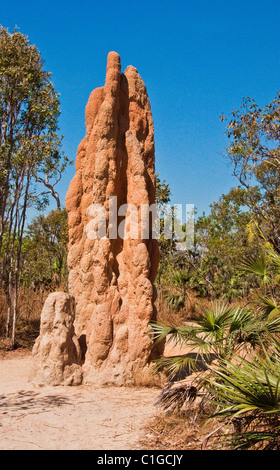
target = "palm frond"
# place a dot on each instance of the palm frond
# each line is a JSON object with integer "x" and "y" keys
{"x": 181, "y": 278}
{"x": 265, "y": 439}
{"x": 175, "y": 364}
{"x": 268, "y": 306}
{"x": 239, "y": 319}
{"x": 250, "y": 386}
{"x": 175, "y": 300}
{"x": 213, "y": 322}
{"x": 274, "y": 258}
{"x": 273, "y": 326}
{"x": 256, "y": 265}
{"x": 179, "y": 335}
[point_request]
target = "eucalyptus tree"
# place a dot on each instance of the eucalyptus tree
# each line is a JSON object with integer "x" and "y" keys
{"x": 44, "y": 252}
{"x": 254, "y": 152}
{"x": 30, "y": 151}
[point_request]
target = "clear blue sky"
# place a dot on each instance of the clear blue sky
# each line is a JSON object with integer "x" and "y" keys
{"x": 198, "y": 60}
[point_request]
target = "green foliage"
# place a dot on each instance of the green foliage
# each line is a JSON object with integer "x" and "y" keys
{"x": 243, "y": 384}
{"x": 247, "y": 394}
{"x": 266, "y": 265}
{"x": 210, "y": 269}
{"x": 256, "y": 265}
{"x": 254, "y": 153}
{"x": 222, "y": 241}
{"x": 269, "y": 307}
{"x": 31, "y": 160}
{"x": 162, "y": 192}
{"x": 29, "y": 112}
{"x": 252, "y": 385}
{"x": 45, "y": 251}
{"x": 220, "y": 331}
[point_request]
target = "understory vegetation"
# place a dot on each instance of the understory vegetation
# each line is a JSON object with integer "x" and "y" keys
{"x": 231, "y": 368}
{"x": 219, "y": 300}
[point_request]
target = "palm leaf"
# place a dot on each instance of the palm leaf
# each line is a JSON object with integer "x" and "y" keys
{"x": 175, "y": 364}
{"x": 274, "y": 258}
{"x": 175, "y": 300}
{"x": 179, "y": 335}
{"x": 248, "y": 386}
{"x": 269, "y": 307}
{"x": 256, "y": 265}
{"x": 241, "y": 317}
{"x": 273, "y": 326}
{"x": 267, "y": 439}
{"x": 213, "y": 322}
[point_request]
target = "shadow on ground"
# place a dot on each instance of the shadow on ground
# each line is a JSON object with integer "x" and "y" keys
{"x": 29, "y": 400}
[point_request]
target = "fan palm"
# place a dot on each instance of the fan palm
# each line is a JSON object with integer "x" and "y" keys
{"x": 248, "y": 394}
{"x": 257, "y": 265}
{"x": 220, "y": 331}
{"x": 269, "y": 307}
{"x": 266, "y": 266}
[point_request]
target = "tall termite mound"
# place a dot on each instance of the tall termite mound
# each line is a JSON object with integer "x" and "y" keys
{"x": 112, "y": 278}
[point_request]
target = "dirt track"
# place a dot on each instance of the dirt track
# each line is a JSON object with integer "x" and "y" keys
{"x": 66, "y": 418}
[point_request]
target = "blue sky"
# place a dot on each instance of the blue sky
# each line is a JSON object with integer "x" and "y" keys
{"x": 198, "y": 60}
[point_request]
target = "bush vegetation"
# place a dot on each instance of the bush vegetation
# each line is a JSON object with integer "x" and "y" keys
{"x": 220, "y": 299}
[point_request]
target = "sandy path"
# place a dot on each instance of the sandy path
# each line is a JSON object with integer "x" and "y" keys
{"x": 64, "y": 418}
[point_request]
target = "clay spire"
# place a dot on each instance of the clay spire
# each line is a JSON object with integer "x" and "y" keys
{"x": 112, "y": 279}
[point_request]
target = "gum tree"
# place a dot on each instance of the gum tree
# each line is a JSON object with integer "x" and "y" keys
{"x": 254, "y": 152}
{"x": 30, "y": 152}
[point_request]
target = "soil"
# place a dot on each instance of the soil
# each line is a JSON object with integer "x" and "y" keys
{"x": 68, "y": 418}
{"x": 72, "y": 418}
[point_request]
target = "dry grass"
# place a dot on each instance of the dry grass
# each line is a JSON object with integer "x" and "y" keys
{"x": 184, "y": 430}
{"x": 192, "y": 310}
{"x": 173, "y": 316}
{"x": 30, "y": 304}
{"x": 13, "y": 354}
{"x": 148, "y": 378}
